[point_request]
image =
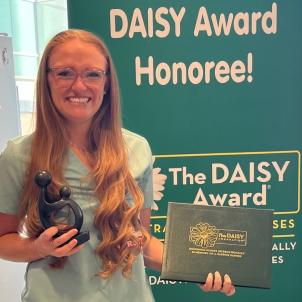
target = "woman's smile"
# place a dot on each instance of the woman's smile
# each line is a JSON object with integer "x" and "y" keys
{"x": 78, "y": 100}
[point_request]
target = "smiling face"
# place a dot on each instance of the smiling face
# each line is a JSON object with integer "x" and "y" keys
{"x": 76, "y": 100}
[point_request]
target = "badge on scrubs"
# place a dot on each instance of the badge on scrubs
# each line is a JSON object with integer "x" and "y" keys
{"x": 60, "y": 211}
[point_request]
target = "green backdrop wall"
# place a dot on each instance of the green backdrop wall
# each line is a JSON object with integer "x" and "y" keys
{"x": 215, "y": 88}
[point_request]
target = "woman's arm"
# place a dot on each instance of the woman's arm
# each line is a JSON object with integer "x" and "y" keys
{"x": 14, "y": 247}
{"x": 154, "y": 249}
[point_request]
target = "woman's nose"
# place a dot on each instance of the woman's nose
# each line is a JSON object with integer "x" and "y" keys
{"x": 79, "y": 83}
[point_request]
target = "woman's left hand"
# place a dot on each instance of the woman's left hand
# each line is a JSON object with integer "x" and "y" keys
{"x": 214, "y": 283}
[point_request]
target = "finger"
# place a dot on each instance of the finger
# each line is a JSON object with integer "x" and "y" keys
{"x": 75, "y": 250}
{"x": 217, "y": 282}
{"x": 227, "y": 284}
{"x": 65, "y": 249}
{"x": 65, "y": 237}
{"x": 49, "y": 233}
{"x": 208, "y": 284}
{"x": 232, "y": 291}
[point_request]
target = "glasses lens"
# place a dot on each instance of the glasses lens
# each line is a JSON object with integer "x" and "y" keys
{"x": 64, "y": 74}
{"x": 92, "y": 76}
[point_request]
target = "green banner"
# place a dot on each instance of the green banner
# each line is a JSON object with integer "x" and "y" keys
{"x": 215, "y": 88}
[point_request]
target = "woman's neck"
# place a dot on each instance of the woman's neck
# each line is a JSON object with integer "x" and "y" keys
{"x": 78, "y": 141}
{"x": 78, "y": 135}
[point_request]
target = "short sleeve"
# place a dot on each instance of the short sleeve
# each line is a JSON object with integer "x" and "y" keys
{"x": 13, "y": 162}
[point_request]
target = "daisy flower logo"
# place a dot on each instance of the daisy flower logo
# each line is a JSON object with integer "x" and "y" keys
{"x": 159, "y": 180}
{"x": 203, "y": 235}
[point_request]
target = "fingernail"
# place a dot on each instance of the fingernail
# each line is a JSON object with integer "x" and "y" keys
{"x": 226, "y": 276}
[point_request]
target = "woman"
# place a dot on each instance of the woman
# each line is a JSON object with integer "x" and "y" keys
{"x": 79, "y": 139}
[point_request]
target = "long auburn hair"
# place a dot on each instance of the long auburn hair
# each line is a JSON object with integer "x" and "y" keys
{"x": 114, "y": 218}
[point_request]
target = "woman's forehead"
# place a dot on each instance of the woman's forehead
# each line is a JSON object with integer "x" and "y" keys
{"x": 78, "y": 54}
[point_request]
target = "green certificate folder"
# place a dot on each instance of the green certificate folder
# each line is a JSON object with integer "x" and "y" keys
{"x": 203, "y": 239}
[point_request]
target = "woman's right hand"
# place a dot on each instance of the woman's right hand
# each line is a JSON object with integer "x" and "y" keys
{"x": 48, "y": 245}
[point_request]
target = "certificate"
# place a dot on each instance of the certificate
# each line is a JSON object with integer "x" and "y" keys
{"x": 231, "y": 240}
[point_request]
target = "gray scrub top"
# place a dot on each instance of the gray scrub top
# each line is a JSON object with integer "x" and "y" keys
{"x": 77, "y": 281}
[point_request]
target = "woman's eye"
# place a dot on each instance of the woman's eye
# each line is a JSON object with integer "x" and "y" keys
{"x": 93, "y": 74}
{"x": 65, "y": 73}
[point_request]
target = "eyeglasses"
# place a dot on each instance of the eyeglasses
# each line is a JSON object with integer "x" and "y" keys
{"x": 65, "y": 76}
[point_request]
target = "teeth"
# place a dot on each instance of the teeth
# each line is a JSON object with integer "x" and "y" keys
{"x": 78, "y": 100}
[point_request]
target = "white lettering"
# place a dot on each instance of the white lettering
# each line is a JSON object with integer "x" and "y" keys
{"x": 137, "y": 24}
{"x": 202, "y": 25}
{"x": 175, "y": 172}
{"x": 149, "y": 71}
{"x": 225, "y": 175}
{"x": 118, "y": 13}
{"x": 281, "y": 171}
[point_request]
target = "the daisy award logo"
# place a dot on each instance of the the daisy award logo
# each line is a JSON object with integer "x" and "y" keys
{"x": 203, "y": 235}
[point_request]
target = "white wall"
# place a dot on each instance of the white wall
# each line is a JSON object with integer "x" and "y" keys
{"x": 9, "y": 110}
{"x": 11, "y": 274}
{"x": 11, "y": 280}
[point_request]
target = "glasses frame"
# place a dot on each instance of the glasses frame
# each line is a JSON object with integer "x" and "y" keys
{"x": 70, "y": 82}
